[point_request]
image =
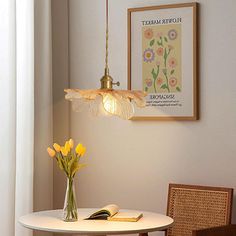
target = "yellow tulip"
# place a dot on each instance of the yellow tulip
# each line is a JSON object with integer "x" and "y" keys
{"x": 84, "y": 150}
{"x": 80, "y": 149}
{"x": 51, "y": 152}
{"x": 64, "y": 151}
{"x": 57, "y": 147}
{"x": 71, "y": 142}
{"x": 67, "y": 146}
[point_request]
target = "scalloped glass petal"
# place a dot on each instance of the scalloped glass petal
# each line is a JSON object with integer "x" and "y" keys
{"x": 106, "y": 102}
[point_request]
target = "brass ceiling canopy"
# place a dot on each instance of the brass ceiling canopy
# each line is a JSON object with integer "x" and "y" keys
{"x": 106, "y": 100}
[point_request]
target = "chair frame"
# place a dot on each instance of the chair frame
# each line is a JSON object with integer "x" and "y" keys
{"x": 199, "y": 187}
{"x": 226, "y": 230}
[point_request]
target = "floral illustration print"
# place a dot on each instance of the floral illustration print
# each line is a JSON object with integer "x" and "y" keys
{"x": 148, "y": 33}
{"x": 149, "y": 82}
{"x": 172, "y": 62}
{"x": 148, "y": 55}
{"x": 172, "y": 81}
{"x": 159, "y": 81}
{"x": 162, "y": 58}
{"x": 160, "y": 51}
{"x": 172, "y": 34}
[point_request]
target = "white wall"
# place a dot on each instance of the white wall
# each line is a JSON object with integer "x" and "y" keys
{"x": 131, "y": 163}
{"x": 61, "y": 107}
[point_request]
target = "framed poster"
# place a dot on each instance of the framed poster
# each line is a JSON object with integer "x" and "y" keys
{"x": 162, "y": 60}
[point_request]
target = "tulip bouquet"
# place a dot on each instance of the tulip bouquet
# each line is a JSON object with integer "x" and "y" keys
{"x": 68, "y": 161}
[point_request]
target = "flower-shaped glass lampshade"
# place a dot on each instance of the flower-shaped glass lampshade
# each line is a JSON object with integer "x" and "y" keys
{"x": 106, "y": 100}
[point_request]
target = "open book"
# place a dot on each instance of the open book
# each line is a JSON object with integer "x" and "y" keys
{"x": 111, "y": 212}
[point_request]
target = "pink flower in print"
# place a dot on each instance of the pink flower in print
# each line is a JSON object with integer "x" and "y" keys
{"x": 159, "y": 81}
{"x": 148, "y": 82}
{"x": 160, "y": 51}
{"x": 148, "y": 55}
{"x": 148, "y": 33}
{"x": 159, "y": 34}
{"x": 172, "y": 62}
{"x": 172, "y": 81}
{"x": 172, "y": 34}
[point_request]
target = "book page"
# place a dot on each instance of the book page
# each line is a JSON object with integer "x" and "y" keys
{"x": 112, "y": 209}
{"x": 104, "y": 212}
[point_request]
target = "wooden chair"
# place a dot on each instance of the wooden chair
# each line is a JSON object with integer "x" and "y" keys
{"x": 228, "y": 230}
{"x": 198, "y": 207}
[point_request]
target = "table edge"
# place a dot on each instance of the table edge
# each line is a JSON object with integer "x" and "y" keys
{"x": 161, "y": 228}
{"x": 99, "y": 232}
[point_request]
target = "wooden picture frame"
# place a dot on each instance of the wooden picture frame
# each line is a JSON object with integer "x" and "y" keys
{"x": 163, "y": 60}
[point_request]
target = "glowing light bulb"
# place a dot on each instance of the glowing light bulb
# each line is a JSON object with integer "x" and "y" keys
{"x": 118, "y": 105}
{"x": 110, "y": 104}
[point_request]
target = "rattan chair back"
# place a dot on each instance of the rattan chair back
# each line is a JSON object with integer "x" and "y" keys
{"x": 198, "y": 207}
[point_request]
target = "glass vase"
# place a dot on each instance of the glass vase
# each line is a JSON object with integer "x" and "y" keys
{"x": 70, "y": 213}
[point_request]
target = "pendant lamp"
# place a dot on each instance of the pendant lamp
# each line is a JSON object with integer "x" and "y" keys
{"x": 106, "y": 100}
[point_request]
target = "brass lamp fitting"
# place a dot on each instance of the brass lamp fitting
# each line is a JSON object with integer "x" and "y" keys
{"x": 107, "y": 81}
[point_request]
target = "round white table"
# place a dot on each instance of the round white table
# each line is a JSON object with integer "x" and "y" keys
{"x": 51, "y": 221}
